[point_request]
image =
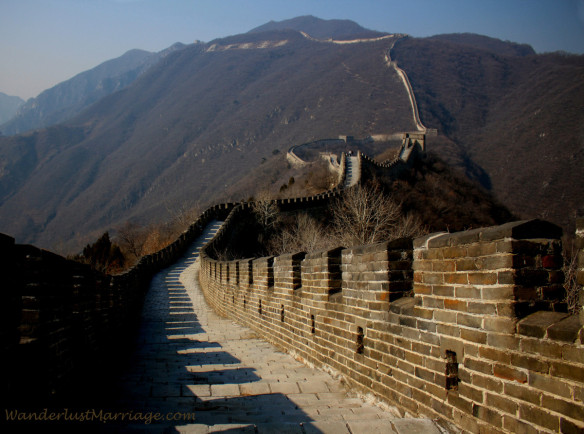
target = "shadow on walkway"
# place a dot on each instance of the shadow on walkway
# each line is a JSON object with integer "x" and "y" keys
{"x": 184, "y": 367}
{"x": 191, "y": 371}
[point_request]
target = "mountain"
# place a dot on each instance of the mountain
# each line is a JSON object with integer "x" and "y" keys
{"x": 8, "y": 106}
{"x": 70, "y": 97}
{"x": 320, "y": 29}
{"x": 213, "y": 116}
{"x": 493, "y": 45}
{"x": 517, "y": 116}
{"x": 193, "y": 124}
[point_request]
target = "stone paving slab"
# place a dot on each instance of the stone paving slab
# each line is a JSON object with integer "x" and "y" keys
{"x": 415, "y": 426}
{"x": 285, "y": 388}
{"x": 277, "y": 428}
{"x": 327, "y": 426}
{"x": 254, "y": 389}
{"x": 190, "y": 360}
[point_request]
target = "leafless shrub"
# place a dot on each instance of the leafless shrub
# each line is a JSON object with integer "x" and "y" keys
{"x": 224, "y": 254}
{"x": 311, "y": 235}
{"x": 265, "y": 209}
{"x": 409, "y": 226}
{"x": 131, "y": 238}
{"x": 571, "y": 283}
{"x": 364, "y": 215}
{"x": 283, "y": 242}
{"x": 181, "y": 217}
{"x": 305, "y": 235}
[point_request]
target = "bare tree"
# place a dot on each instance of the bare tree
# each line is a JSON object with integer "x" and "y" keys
{"x": 131, "y": 238}
{"x": 266, "y": 209}
{"x": 311, "y": 235}
{"x": 364, "y": 215}
{"x": 409, "y": 226}
{"x": 182, "y": 216}
{"x": 283, "y": 242}
{"x": 305, "y": 235}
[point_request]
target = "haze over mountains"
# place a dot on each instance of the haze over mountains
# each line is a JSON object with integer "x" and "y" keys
{"x": 8, "y": 106}
{"x": 70, "y": 97}
{"x": 194, "y": 124}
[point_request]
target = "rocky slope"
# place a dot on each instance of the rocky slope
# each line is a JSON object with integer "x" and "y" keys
{"x": 196, "y": 122}
{"x": 514, "y": 119}
{"x": 210, "y": 116}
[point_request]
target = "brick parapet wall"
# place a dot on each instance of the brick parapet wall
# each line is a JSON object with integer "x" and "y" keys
{"x": 31, "y": 327}
{"x": 60, "y": 316}
{"x": 388, "y": 164}
{"x": 62, "y": 313}
{"x": 296, "y": 160}
{"x": 467, "y": 346}
{"x": 394, "y": 168}
{"x": 321, "y": 277}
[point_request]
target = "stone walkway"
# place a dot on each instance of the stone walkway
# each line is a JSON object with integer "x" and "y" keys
{"x": 353, "y": 173}
{"x": 190, "y": 361}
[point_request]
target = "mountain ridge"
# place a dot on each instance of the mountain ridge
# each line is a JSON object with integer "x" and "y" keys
{"x": 319, "y": 28}
{"x": 9, "y": 105}
{"x": 68, "y": 98}
{"x": 204, "y": 117}
{"x": 495, "y": 45}
{"x": 518, "y": 117}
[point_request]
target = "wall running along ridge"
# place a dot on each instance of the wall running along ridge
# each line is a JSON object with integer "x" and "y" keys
{"x": 58, "y": 317}
{"x": 465, "y": 326}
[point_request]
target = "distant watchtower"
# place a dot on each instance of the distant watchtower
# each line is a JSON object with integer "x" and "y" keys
{"x": 413, "y": 144}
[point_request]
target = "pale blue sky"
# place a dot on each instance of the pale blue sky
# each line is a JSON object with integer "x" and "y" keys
{"x": 44, "y": 42}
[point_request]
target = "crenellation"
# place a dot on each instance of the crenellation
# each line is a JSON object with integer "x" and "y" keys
{"x": 433, "y": 325}
{"x": 70, "y": 316}
{"x": 468, "y": 326}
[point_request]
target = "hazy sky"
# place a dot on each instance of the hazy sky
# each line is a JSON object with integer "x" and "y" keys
{"x": 44, "y": 42}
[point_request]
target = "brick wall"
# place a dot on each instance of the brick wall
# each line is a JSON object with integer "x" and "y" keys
{"x": 466, "y": 326}
{"x": 58, "y": 317}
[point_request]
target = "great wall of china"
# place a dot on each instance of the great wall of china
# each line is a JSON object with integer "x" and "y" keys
{"x": 467, "y": 327}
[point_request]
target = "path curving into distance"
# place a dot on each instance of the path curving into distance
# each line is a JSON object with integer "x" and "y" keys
{"x": 406, "y": 81}
{"x": 190, "y": 361}
{"x": 352, "y": 171}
